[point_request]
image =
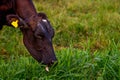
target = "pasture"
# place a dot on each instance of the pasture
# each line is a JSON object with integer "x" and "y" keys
{"x": 86, "y": 43}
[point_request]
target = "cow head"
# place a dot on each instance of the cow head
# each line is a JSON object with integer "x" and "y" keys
{"x": 37, "y": 36}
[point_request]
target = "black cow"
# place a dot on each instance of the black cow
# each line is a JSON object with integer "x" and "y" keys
{"x": 36, "y": 29}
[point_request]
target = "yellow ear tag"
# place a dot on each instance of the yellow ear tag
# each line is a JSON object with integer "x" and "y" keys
{"x": 14, "y": 23}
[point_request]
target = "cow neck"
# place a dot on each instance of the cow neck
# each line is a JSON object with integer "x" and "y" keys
{"x": 25, "y": 8}
{"x": 5, "y": 5}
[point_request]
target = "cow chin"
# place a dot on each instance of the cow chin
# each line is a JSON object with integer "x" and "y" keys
{"x": 43, "y": 54}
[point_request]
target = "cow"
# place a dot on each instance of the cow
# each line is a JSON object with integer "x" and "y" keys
{"x": 35, "y": 27}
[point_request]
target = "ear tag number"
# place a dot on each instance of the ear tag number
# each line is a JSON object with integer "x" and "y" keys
{"x": 14, "y": 23}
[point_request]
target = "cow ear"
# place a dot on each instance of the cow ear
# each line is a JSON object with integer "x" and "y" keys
{"x": 42, "y": 15}
{"x": 15, "y": 21}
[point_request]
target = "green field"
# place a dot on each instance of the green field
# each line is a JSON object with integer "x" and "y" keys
{"x": 86, "y": 43}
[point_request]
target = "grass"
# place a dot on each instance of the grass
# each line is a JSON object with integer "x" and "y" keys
{"x": 86, "y": 42}
{"x": 79, "y": 21}
{"x": 74, "y": 64}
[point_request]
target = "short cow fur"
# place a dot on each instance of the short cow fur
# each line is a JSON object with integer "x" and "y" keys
{"x": 37, "y": 30}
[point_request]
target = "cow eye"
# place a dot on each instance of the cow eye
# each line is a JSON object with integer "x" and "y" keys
{"x": 38, "y": 36}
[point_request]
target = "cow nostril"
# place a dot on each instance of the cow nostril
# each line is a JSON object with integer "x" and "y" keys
{"x": 53, "y": 61}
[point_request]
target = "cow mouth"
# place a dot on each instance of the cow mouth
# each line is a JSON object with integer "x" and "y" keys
{"x": 51, "y": 65}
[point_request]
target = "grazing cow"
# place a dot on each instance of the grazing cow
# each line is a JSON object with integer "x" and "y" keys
{"x": 37, "y": 30}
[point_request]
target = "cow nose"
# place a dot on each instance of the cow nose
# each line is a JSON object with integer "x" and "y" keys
{"x": 54, "y": 63}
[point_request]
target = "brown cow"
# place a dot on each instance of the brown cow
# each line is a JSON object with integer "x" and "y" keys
{"x": 37, "y": 30}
